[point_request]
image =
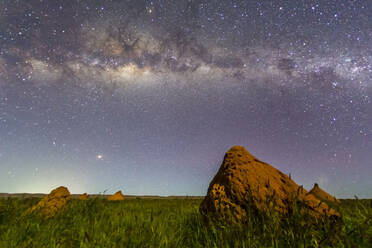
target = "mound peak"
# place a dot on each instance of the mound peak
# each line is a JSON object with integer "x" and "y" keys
{"x": 322, "y": 195}
{"x": 118, "y": 196}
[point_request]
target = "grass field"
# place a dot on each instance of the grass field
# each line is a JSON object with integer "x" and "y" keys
{"x": 175, "y": 223}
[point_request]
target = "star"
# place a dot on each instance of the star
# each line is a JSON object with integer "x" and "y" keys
{"x": 163, "y": 87}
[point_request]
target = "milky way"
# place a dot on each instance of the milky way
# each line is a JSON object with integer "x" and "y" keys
{"x": 147, "y": 96}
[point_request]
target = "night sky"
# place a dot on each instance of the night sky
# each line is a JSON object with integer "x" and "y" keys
{"x": 147, "y": 96}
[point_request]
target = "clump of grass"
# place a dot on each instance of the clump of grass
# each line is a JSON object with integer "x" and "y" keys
{"x": 176, "y": 223}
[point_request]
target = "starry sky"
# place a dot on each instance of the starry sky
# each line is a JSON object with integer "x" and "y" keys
{"x": 147, "y": 96}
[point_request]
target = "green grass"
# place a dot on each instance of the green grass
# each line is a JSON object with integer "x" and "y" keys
{"x": 175, "y": 223}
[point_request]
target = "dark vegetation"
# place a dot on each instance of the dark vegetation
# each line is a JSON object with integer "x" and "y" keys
{"x": 176, "y": 223}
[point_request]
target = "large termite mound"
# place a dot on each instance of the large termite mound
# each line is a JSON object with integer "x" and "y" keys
{"x": 244, "y": 182}
{"x": 50, "y": 204}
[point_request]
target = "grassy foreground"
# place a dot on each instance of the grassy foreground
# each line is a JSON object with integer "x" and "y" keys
{"x": 174, "y": 223}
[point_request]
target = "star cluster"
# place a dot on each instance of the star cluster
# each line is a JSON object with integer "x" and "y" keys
{"x": 148, "y": 95}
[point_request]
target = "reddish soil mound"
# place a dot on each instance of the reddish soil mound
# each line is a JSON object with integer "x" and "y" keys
{"x": 118, "y": 196}
{"x": 322, "y": 195}
{"x": 83, "y": 197}
{"x": 244, "y": 181}
{"x": 53, "y": 202}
